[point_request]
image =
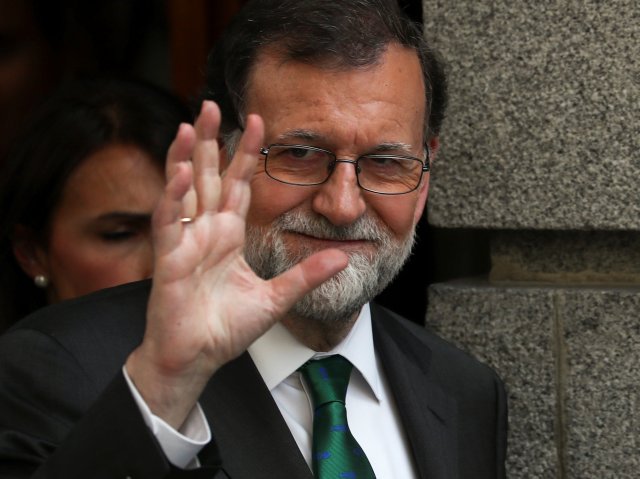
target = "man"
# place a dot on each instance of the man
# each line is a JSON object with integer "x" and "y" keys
{"x": 280, "y": 256}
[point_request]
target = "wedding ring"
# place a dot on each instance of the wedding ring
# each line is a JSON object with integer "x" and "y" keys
{"x": 186, "y": 220}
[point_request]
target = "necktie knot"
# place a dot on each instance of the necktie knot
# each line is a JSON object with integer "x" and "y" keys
{"x": 328, "y": 379}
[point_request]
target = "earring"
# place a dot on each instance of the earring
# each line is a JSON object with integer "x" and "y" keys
{"x": 41, "y": 281}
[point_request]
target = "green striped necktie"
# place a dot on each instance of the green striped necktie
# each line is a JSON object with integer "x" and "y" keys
{"x": 336, "y": 453}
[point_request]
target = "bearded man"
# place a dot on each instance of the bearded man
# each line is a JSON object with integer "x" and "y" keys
{"x": 255, "y": 352}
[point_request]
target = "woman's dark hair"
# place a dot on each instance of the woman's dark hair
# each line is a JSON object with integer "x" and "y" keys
{"x": 334, "y": 34}
{"x": 83, "y": 117}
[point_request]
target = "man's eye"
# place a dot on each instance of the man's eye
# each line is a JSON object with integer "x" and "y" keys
{"x": 298, "y": 152}
{"x": 386, "y": 162}
{"x": 382, "y": 160}
{"x": 295, "y": 155}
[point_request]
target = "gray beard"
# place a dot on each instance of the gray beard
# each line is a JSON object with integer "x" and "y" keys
{"x": 342, "y": 296}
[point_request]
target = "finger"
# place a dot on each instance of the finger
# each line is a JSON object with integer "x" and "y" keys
{"x": 206, "y": 158}
{"x": 190, "y": 200}
{"x": 166, "y": 225}
{"x": 236, "y": 193}
{"x": 179, "y": 154}
{"x": 310, "y": 273}
{"x": 180, "y": 149}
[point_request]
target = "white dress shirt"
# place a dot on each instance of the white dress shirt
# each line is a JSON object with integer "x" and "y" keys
{"x": 371, "y": 409}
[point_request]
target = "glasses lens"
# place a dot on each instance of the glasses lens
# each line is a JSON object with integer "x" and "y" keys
{"x": 299, "y": 165}
{"x": 389, "y": 174}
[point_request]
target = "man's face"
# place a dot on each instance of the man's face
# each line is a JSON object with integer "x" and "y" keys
{"x": 351, "y": 113}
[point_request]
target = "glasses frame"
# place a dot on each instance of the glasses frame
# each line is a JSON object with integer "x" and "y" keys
{"x": 425, "y": 166}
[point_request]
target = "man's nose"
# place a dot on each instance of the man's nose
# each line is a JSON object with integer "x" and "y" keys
{"x": 340, "y": 199}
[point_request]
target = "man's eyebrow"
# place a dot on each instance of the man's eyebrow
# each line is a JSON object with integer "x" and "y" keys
{"x": 393, "y": 146}
{"x": 300, "y": 135}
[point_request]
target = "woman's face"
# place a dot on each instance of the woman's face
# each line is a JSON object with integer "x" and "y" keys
{"x": 100, "y": 230}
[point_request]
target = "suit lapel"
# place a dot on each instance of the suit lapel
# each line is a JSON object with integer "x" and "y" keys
{"x": 253, "y": 438}
{"x": 426, "y": 411}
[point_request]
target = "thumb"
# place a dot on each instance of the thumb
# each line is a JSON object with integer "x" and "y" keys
{"x": 307, "y": 275}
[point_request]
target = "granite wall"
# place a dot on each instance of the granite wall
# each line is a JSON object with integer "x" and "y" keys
{"x": 541, "y": 152}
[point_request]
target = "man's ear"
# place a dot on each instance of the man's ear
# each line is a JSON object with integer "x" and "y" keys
{"x": 434, "y": 147}
{"x": 29, "y": 252}
{"x": 423, "y": 192}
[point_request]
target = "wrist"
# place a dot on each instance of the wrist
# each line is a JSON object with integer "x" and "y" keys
{"x": 170, "y": 394}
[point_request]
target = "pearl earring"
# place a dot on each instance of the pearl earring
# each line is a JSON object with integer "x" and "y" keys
{"x": 41, "y": 281}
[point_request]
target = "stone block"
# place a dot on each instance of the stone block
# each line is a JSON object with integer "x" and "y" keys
{"x": 602, "y": 340}
{"x": 543, "y": 126}
{"x": 570, "y": 358}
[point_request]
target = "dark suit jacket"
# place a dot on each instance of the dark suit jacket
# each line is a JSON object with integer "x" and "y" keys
{"x": 66, "y": 411}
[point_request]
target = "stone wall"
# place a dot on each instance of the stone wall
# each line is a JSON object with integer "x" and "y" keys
{"x": 541, "y": 152}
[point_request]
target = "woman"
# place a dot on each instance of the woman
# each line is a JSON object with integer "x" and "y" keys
{"x": 78, "y": 190}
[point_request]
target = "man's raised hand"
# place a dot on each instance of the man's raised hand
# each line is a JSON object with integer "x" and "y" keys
{"x": 207, "y": 305}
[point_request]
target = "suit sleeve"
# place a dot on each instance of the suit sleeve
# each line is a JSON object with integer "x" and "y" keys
{"x": 56, "y": 422}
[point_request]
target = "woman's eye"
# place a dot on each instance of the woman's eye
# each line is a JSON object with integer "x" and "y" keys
{"x": 124, "y": 229}
{"x": 119, "y": 235}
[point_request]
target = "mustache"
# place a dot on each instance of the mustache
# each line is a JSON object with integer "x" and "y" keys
{"x": 364, "y": 228}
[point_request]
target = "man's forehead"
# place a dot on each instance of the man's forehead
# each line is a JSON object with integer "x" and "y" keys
{"x": 275, "y": 57}
{"x": 392, "y": 90}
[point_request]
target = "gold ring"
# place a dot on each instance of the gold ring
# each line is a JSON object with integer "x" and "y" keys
{"x": 186, "y": 220}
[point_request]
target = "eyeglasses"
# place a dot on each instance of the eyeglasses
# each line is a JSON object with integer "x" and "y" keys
{"x": 304, "y": 165}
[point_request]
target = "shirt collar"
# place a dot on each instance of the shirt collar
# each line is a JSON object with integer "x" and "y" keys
{"x": 277, "y": 354}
